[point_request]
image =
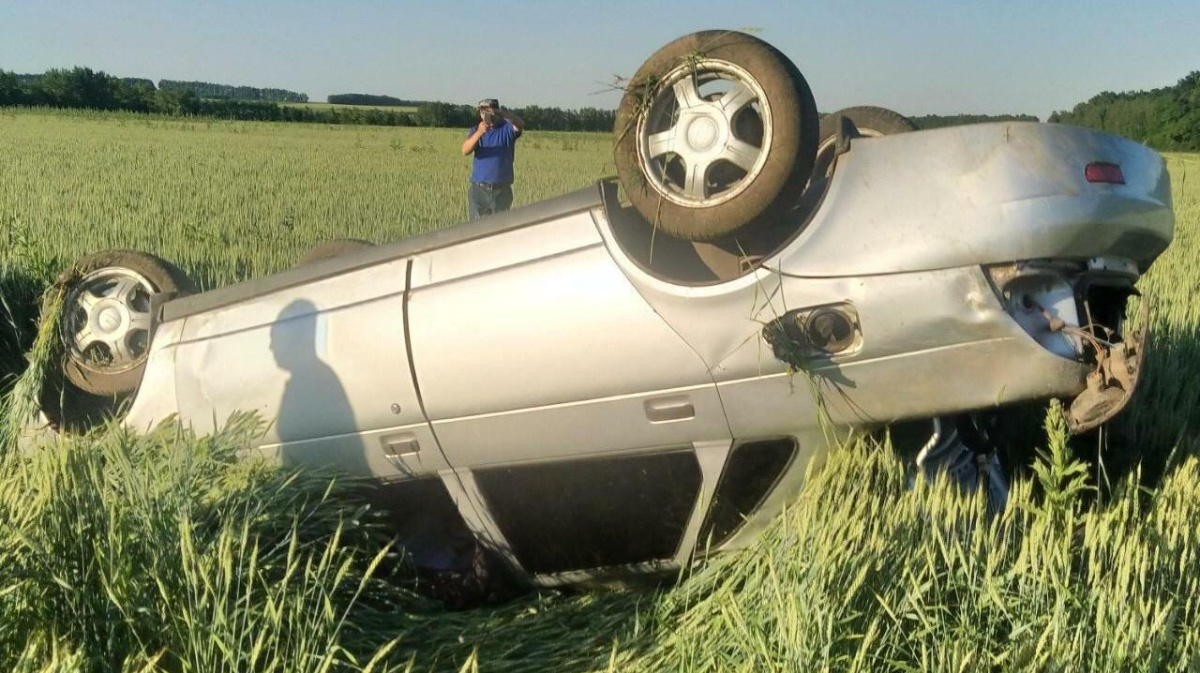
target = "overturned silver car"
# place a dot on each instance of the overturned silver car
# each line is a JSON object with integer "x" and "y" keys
{"x": 618, "y": 379}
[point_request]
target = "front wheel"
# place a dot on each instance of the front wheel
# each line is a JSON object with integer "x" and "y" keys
{"x": 106, "y": 321}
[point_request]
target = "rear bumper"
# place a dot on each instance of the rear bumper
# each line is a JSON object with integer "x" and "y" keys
{"x": 984, "y": 194}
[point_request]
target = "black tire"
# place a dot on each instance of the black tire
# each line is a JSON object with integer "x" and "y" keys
{"x": 869, "y": 120}
{"x": 334, "y": 248}
{"x": 82, "y": 369}
{"x": 785, "y": 155}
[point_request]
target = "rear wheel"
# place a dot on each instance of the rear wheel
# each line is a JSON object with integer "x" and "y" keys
{"x": 870, "y": 122}
{"x": 716, "y": 131}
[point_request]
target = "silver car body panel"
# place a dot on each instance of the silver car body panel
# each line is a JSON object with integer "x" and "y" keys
{"x": 533, "y": 336}
{"x": 983, "y": 194}
{"x": 910, "y": 322}
{"x": 325, "y": 362}
{"x": 525, "y": 360}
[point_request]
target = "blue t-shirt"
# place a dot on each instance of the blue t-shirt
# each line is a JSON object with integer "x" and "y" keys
{"x": 494, "y": 153}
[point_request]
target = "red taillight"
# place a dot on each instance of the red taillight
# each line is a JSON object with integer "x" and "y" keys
{"x": 1102, "y": 172}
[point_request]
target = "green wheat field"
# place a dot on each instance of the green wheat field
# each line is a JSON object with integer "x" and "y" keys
{"x": 164, "y": 552}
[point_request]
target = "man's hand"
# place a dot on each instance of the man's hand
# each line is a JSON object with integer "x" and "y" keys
{"x": 517, "y": 122}
{"x": 472, "y": 140}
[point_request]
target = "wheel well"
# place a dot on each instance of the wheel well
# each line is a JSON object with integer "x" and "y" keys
{"x": 709, "y": 263}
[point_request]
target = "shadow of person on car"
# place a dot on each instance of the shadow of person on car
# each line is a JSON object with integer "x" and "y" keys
{"x": 315, "y": 424}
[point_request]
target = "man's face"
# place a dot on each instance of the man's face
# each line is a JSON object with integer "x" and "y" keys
{"x": 487, "y": 113}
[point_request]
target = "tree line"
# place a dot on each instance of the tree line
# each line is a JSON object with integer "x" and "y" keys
{"x": 81, "y": 87}
{"x": 938, "y": 121}
{"x": 211, "y": 90}
{"x": 1167, "y": 118}
{"x": 370, "y": 99}
{"x": 536, "y": 117}
{"x": 85, "y": 88}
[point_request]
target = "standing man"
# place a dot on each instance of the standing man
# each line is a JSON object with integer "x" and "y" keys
{"x": 494, "y": 142}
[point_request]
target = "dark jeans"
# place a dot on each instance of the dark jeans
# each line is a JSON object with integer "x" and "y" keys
{"x": 485, "y": 198}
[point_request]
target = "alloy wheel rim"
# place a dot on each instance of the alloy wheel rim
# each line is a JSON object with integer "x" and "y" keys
{"x": 699, "y": 150}
{"x": 106, "y": 320}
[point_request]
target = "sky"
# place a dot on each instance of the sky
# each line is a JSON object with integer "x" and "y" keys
{"x": 916, "y": 57}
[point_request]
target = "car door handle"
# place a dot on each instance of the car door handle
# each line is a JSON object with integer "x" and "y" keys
{"x": 400, "y": 444}
{"x": 669, "y": 409}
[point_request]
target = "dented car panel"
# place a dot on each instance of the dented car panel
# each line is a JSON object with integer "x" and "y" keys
{"x": 584, "y": 414}
{"x": 985, "y": 194}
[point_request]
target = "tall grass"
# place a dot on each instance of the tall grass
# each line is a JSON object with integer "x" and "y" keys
{"x": 1167, "y": 412}
{"x": 231, "y": 200}
{"x": 166, "y": 552}
{"x": 866, "y": 574}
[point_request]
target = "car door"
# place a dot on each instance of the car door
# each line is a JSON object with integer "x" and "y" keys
{"x": 570, "y": 409}
{"x": 325, "y": 362}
